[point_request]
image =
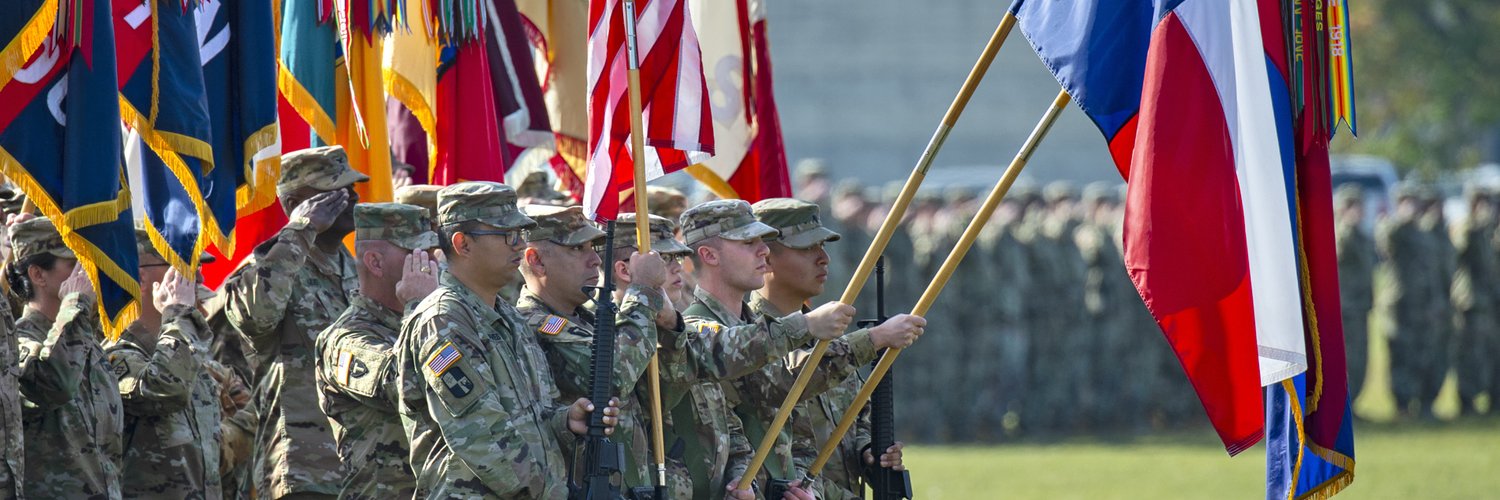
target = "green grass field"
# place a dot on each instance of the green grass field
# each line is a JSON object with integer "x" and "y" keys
{"x": 1432, "y": 459}
{"x": 1429, "y": 461}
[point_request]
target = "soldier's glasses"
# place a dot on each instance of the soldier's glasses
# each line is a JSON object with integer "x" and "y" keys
{"x": 512, "y": 238}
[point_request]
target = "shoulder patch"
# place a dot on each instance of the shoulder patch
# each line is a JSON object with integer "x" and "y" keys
{"x": 457, "y": 382}
{"x": 553, "y": 325}
{"x": 443, "y": 359}
{"x": 709, "y": 328}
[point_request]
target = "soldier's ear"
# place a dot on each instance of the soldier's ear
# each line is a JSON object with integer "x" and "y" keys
{"x": 708, "y": 255}
{"x": 622, "y": 270}
{"x": 460, "y": 243}
{"x": 534, "y": 260}
{"x": 371, "y": 260}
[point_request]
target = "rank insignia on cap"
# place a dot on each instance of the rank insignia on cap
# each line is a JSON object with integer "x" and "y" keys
{"x": 443, "y": 359}
{"x": 346, "y": 359}
{"x": 553, "y": 325}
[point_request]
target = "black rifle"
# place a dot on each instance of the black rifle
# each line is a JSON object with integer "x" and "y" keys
{"x": 603, "y": 459}
{"x": 888, "y": 484}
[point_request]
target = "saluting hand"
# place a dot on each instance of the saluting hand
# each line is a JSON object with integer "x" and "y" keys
{"x": 419, "y": 277}
{"x": 173, "y": 290}
{"x": 322, "y": 209}
{"x": 79, "y": 283}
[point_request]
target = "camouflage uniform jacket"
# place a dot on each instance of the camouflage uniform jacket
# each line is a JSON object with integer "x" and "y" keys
{"x": 284, "y": 295}
{"x": 816, "y": 416}
{"x": 477, "y": 401}
{"x": 716, "y": 347}
{"x": 71, "y": 414}
{"x": 12, "y": 451}
{"x": 171, "y": 403}
{"x": 1356, "y": 257}
{"x": 568, "y": 342}
{"x": 357, "y": 389}
{"x": 1473, "y": 283}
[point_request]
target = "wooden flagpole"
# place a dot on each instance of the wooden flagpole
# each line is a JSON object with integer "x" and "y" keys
{"x": 883, "y": 237}
{"x": 643, "y": 233}
{"x": 944, "y": 273}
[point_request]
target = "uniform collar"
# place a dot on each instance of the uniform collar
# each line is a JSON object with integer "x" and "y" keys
{"x": 721, "y": 310}
{"x": 488, "y": 315}
{"x": 386, "y": 316}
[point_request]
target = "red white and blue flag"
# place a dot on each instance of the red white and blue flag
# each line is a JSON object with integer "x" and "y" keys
{"x": 674, "y": 99}
{"x": 1200, "y": 126}
{"x": 1228, "y": 234}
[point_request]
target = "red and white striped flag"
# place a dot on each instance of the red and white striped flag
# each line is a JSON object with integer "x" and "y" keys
{"x": 674, "y": 99}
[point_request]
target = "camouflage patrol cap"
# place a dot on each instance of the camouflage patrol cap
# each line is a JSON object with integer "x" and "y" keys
{"x": 325, "y": 169}
{"x": 1426, "y": 192}
{"x": 663, "y": 235}
{"x": 811, "y": 167}
{"x": 406, "y": 226}
{"x": 35, "y": 237}
{"x": 561, "y": 225}
{"x": 1100, "y": 191}
{"x": 958, "y": 194}
{"x": 728, "y": 219}
{"x": 1403, "y": 189}
{"x": 1348, "y": 193}
{"x": 490, "y": 203}
{"x": 422, "y": 195}
{"x": 538, "y": 185}
{"x": 1057, "y": 191}
{"x": 796, "y": 221}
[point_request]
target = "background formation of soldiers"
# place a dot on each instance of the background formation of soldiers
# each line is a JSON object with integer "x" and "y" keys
{"x": 447, "y": 356}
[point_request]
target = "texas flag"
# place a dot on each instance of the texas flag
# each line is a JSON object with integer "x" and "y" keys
{"x": 1200, "y": 124}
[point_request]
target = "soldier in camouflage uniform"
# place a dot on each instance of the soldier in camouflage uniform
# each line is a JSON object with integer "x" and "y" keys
{"x": 12, "y": 448}
{"x": 1357, "y": 259}
{"x": 1474, "y": 297}
{"x": 560, "y": 261}
{"x": 730, "y": 260}
{"x": 1408, "y": 256}
{"x": 288, "y": 291}
{"x": 799, "y": 270}
{"x": 668, "y": 325}
{"x": 171, "y": 401}
{"x": 1440, "y": 313}
{"x": 72, "y": 412}
{"x": 356, "y": 375}
{"x": 997, "y": 359}
{"x": 477, "y": 402}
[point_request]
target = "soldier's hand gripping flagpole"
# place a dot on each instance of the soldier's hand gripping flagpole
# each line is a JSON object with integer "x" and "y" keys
{"x": 643, "y": 234}
{"x": 933, "y": 289}
{"x": 883, "y": 237}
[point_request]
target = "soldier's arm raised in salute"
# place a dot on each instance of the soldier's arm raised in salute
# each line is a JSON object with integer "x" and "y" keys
{"x": 258, "y": 298}
{"x": 162, "y": 381}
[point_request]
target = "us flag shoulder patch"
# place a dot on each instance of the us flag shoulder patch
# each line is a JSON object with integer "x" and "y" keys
{"x": 553, "y": 325}
{"x": 443, "y": 359}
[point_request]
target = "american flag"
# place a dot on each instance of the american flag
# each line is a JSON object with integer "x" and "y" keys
{"x": 444, "y": 359}
{"x": 674, "y": 98}
{"x": 553, "y": 325}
